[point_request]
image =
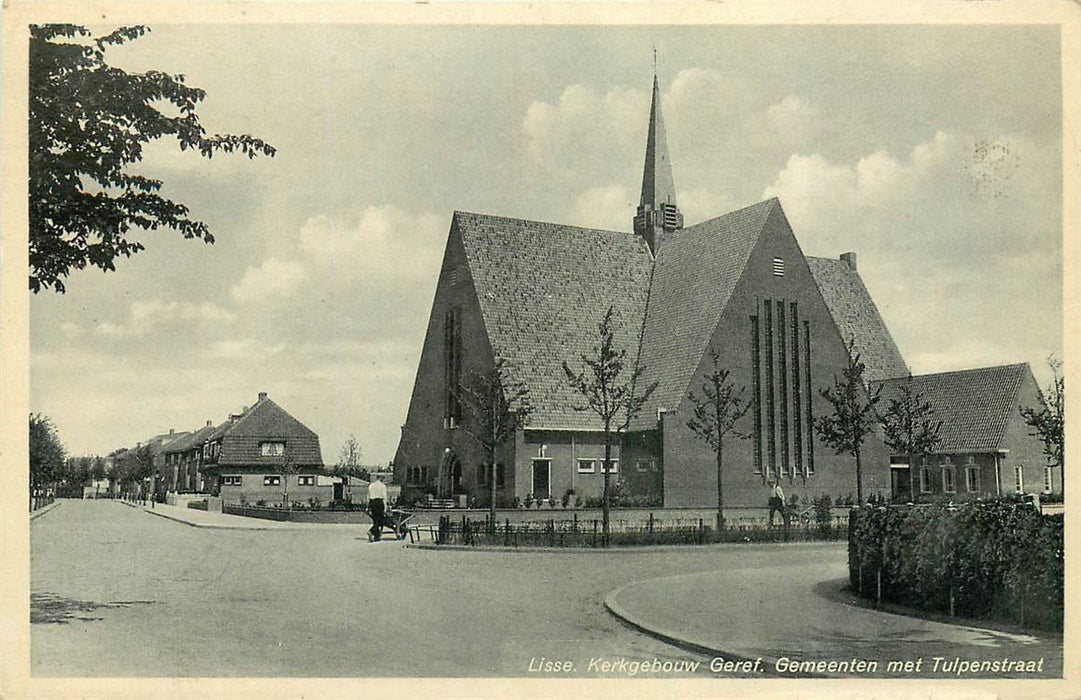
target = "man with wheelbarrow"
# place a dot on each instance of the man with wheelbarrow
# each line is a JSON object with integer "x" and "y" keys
{"x": 377, "y": 498}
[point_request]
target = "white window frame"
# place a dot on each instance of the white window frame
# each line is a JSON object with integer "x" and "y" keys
{"x": 925, "y": 479}
{"x": 613, "y": 467}
{"x": 230, "y": 480}
{"x": 949, "y": 484}
{"x": 972, "y": 478}
{"x": 305, "y": 480}
{"x": 1019, "y": 478}
{"x": 264, "y": 450}
{"x": 1048, "y": 479}
{"x": 591, "y": 469}
{"x": 641, "y": 465}
{"x": 272, "y": 480}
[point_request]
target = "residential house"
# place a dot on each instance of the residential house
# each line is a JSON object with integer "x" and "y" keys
{"x": 985, "y": 448}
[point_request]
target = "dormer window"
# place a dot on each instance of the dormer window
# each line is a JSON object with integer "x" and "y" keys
{"x": 778, "y": 267}
{"x": 272, "y": 449}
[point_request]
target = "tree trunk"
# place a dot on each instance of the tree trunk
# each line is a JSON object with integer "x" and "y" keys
{"x": 911, "y": 478}
{"x": 606, "y": 467}
{"x": 859, "y": 478}
{"x": 720, "y": 487}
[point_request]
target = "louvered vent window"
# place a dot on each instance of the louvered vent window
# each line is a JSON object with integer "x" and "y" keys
{"x": 778, "y": 267}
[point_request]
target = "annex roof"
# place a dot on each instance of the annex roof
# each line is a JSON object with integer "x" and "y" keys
{"x": 543, "y": 289}
{"x": 857, "y": 317}
{"x": 974, "y": 405}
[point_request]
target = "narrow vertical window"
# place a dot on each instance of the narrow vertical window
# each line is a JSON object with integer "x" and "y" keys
{"x": 797, "y": 407}
{"x": 771, "y": 443}
{"x": 1019, "y": 478}
{"x": 756, "y": 399}
{"x": 782, "y": 382}
{"x": 810, "y": 399}
{"x": 452, "y": 361}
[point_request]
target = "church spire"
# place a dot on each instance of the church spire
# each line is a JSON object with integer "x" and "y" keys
{"x": 657, "y": 210}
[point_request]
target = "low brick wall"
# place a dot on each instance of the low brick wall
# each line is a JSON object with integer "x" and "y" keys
{"x": 298, "y": 516}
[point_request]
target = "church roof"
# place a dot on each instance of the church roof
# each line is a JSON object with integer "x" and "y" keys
{"x": 543, "y": 289}
{"x": 974, "y": 405}
{"x": 696, "y": 271}
{"x": 857, "y": 317}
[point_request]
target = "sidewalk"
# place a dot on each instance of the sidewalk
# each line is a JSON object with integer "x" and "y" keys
{"x": 801, "y": 613}
{"x": 222, "y": 521}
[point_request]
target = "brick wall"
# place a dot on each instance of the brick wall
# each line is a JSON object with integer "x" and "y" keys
{"x": 1025, "y": 450}
{"x": 690, "y": 464}
{"x": 424, "y": 438}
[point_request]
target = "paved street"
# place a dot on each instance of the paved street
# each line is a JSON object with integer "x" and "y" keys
{"x": 116, "y": 591}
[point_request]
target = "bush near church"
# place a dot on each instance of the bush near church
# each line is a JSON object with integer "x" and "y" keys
{"x": 998, "y": 559}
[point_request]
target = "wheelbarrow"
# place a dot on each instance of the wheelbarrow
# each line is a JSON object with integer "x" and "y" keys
{"x": 395, "y": 521}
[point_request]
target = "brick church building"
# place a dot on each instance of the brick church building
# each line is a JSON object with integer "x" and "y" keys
{"x": 532, "y": 295}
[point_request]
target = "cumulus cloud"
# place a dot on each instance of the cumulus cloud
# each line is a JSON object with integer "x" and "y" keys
{"x": 610, "y": 207}
{"x": 928, "y": 225}
{"x": 274, "y": 278}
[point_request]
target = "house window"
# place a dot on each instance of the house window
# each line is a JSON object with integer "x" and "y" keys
{"x": 272, "y": 449}
{"x": 642, "y": 465}
{"x": 925, "y": 480}
{"x": 1047, "y": 480}
{"x": 972, "y": 479}
{"x": 778, "y": 267}
{"x": 272, "y": 481}
{"x": 612, "y": 466}
{"x": 230, "y": 481}
{"x": 587, "y": 466}
{"x": 499, "y": 477}
{"x": 482, "y": 474}
{"x": 305, "y": 480}
{"x": 1019, "y": 478}
{"x": 947, "y": 479}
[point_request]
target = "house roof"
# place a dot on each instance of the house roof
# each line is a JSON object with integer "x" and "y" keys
{"x": 857, "y": 317}
{"x": 974, "y": 405}
{"x": 696, "y": 271}
{"x": 543, "y": 289}
{"x": 190, "y": 440}
{"x": 264, "y": 421}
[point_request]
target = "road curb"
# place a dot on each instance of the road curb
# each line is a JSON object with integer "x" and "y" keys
{"x": 608, "y": 550}
{"x": 42, "y": 511}
{"x": 673, "y": 637}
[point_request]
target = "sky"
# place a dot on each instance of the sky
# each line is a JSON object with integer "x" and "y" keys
{"x": 934, "y": 153}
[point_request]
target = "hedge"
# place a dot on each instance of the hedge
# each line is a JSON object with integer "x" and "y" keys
{"x": 997, "y": 559}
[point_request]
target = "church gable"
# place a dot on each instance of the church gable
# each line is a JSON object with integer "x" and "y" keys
{"x": 455, "y": 344}
{"x": 695, "y": 273}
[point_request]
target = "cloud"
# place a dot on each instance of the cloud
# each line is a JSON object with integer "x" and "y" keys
{"x": 609, "y": 207}
{"x": 958, "y": 220}
{"x": 794, "y": 118}
{"x": 274, "y": 278}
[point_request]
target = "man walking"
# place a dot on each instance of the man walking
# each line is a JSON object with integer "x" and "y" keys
{"x": 377, "y": 497}
{"x": 776, "y": 502}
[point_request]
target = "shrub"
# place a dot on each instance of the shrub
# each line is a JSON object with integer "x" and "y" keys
{"x": 822, "y": 507}
{"x": 999, "y": 559}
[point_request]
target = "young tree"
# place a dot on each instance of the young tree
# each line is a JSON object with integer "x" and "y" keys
{"x": 349, "y": 458}
{"x": 910, "y": 427}
{"x": 1048, "y": 422}
{"x": 495, "y": 408}
{"x": 285, "y": 467}
{"x": 88, "y": 122}
{"x": 97, "y": 473}
{"x": 854, "y": 415}
{"x": 46, "y": 454}
{"x": 141, "y": 468}
{"x": 611, "y": 394}
{"x": 716, "y": 411}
